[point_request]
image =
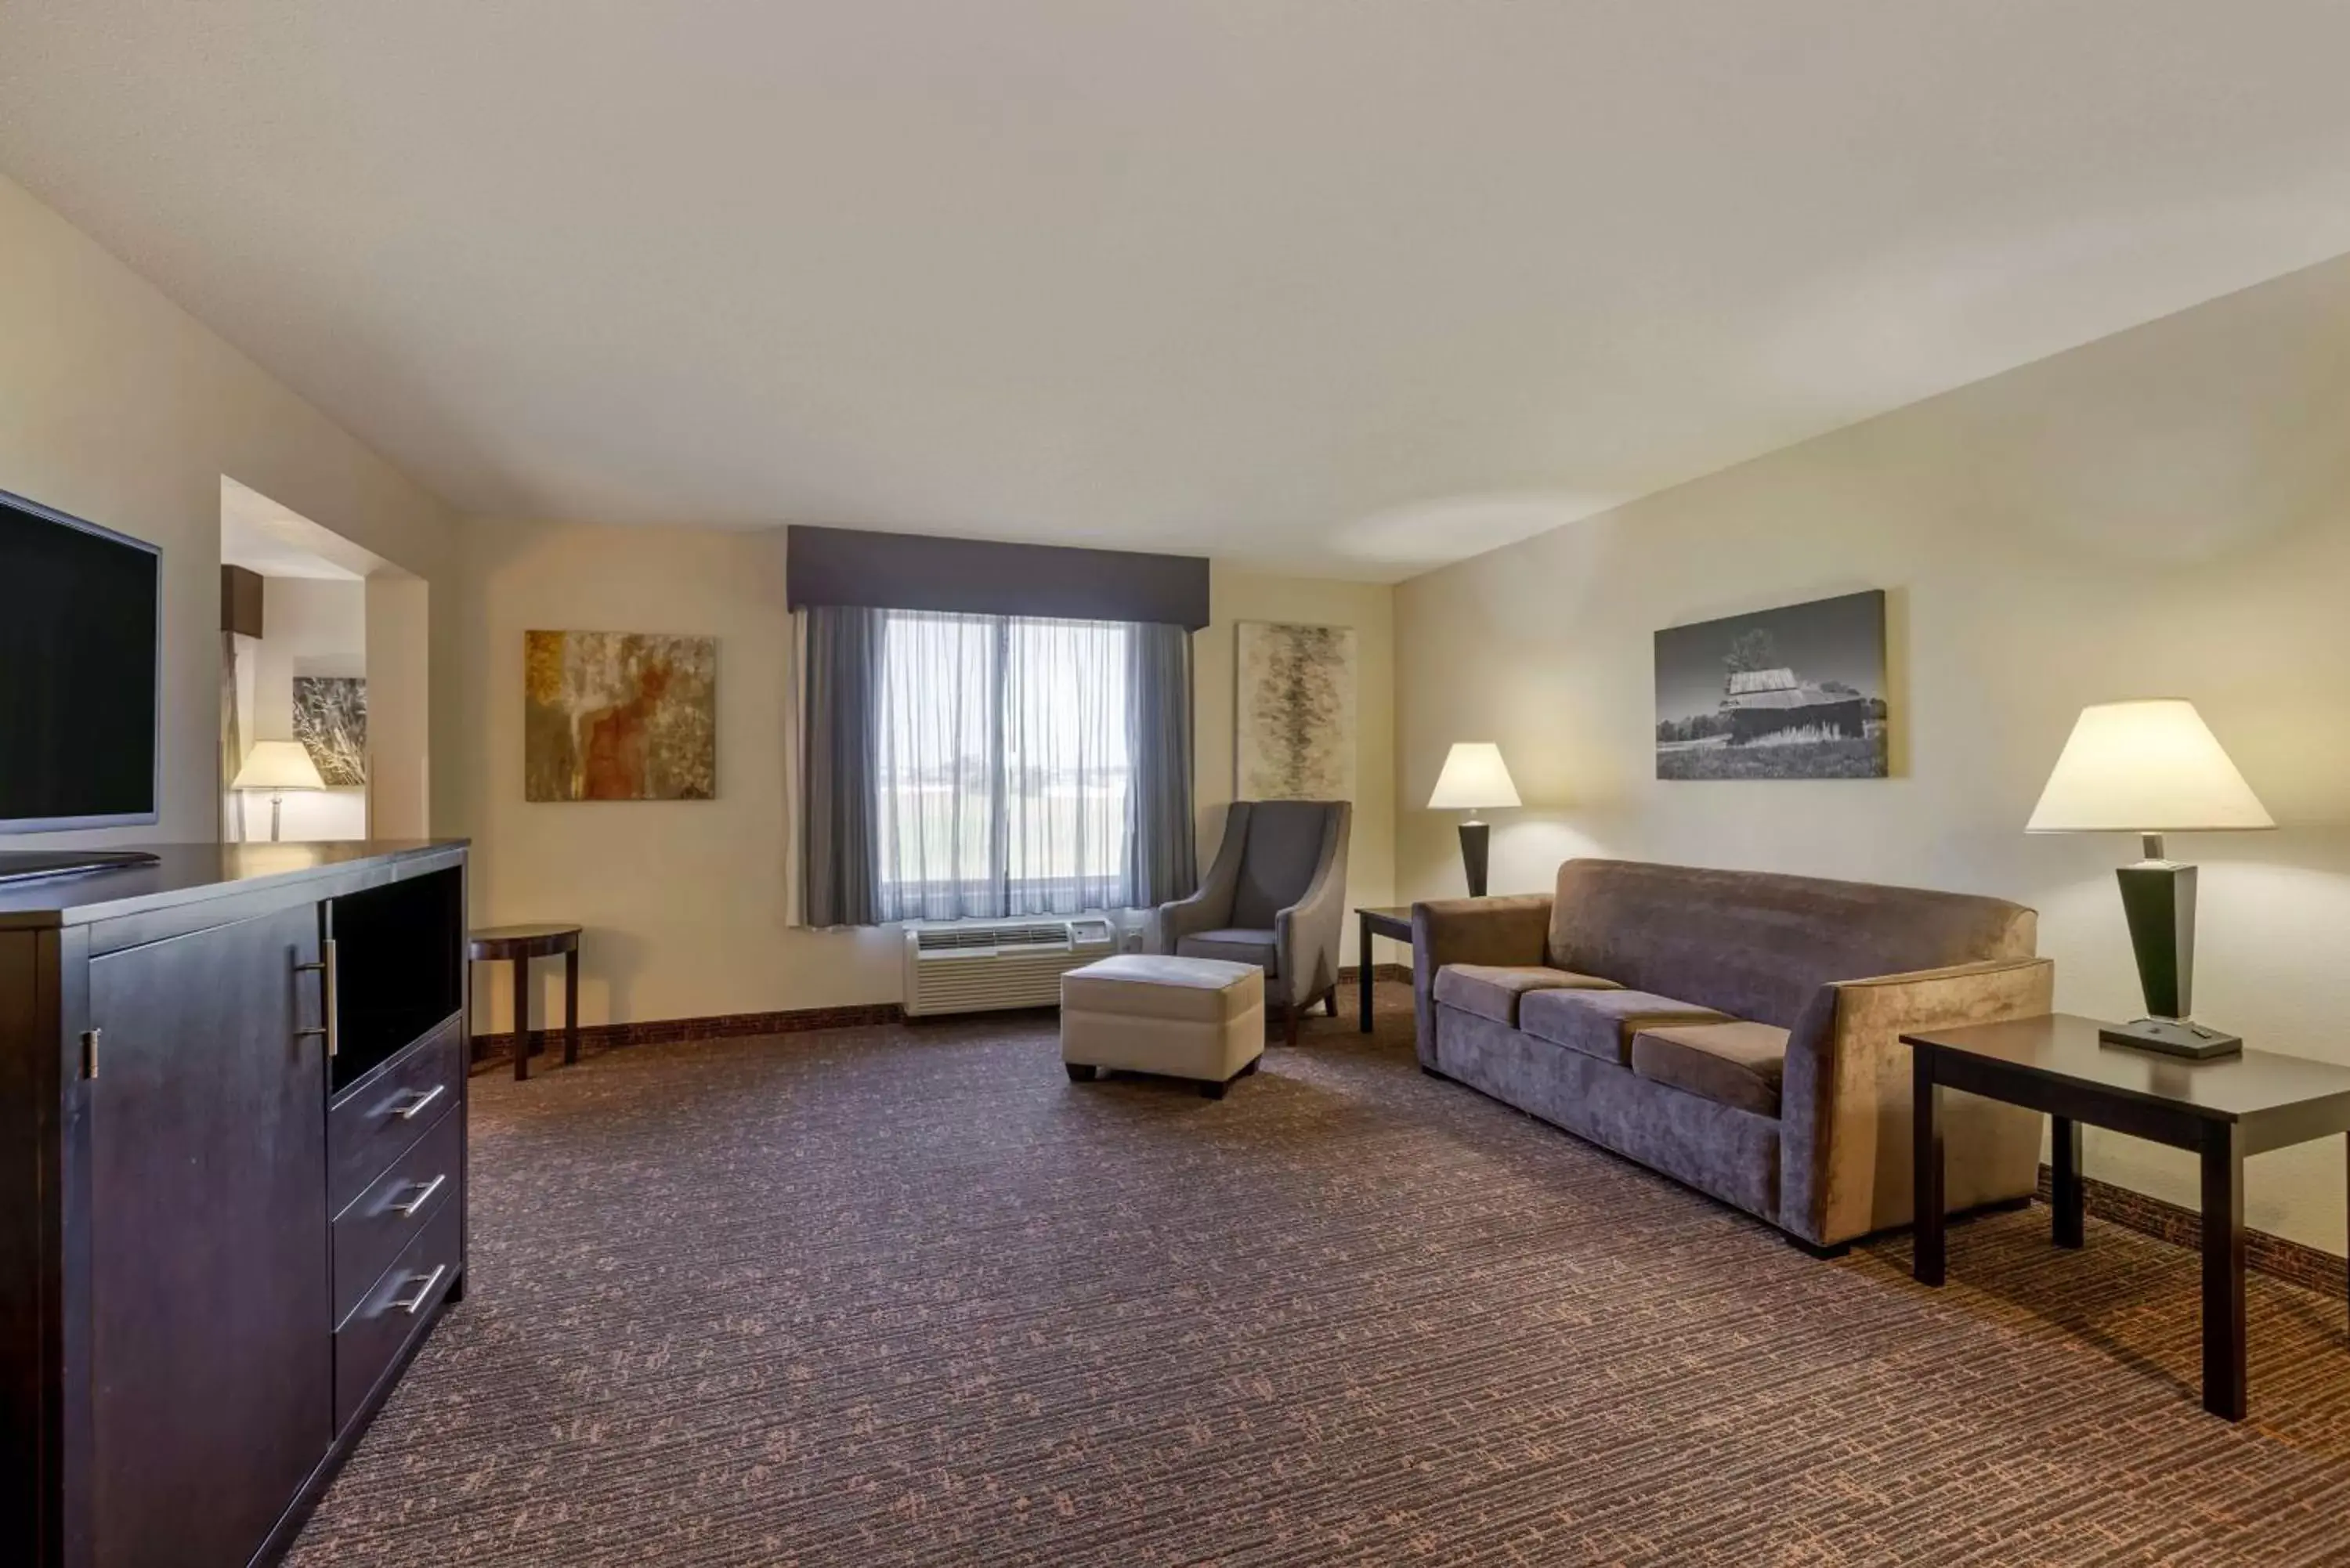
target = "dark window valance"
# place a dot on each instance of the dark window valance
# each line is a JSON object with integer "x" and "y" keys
{"x": 981, "y": 577}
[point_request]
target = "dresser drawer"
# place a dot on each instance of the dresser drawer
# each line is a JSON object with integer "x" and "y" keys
{"x": 384, "y": 1114}
{"x": 392, "y": 1309}
{"x": 383, "y": 1220}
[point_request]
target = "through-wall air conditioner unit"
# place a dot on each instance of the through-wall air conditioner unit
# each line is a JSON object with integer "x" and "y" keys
{"x": 982, "y": 966}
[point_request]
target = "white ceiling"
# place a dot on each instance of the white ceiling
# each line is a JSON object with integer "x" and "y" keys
{"x": 264, "y": 536}
{"x": 1349, "y": 286}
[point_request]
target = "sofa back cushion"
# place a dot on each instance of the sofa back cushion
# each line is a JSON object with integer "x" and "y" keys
{"x": 1284, "y": 851}
{"x": 1758, "y": 945}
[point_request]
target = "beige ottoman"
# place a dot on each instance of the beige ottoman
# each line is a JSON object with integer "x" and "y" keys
{"x": 1187, "y": 1018}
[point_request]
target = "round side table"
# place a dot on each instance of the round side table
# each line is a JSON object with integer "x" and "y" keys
{"x": 518, "y": 945}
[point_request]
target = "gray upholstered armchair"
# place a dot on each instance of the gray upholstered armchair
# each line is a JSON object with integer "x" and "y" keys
{"x": 1276, "y": 897}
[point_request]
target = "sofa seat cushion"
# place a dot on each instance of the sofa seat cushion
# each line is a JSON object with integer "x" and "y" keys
{"x": 1602, "y": 1022}
{"x": 1495, "y": 989}
{"x": 1233, "y": 946}
{"x": 1735, "y": 1063}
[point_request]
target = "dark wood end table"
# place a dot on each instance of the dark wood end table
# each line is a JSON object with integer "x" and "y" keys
{"x": 518, "y": 945}
{"x": 1391, "y": 921}
{"x": 2222, "y": 1109}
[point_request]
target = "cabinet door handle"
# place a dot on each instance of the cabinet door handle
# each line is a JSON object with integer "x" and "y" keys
{"x": 414, "y": 1304}
{"x": 424, "y": 1098}
{"x": 331, "y": 998}
{"x": 324, "y": 968}
{"x": 408, "y": 1209}
{"x": 89, "y": 1039}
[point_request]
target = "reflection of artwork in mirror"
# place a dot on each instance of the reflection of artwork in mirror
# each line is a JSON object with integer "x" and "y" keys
{"x": 1797, "y": 692}
{"x": 330, "y": 721}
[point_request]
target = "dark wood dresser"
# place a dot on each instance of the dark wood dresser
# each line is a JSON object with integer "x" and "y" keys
{"x": 232, "y": 1185}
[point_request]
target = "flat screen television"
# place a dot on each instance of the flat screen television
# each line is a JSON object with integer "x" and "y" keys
{"x": 79, "y": 678}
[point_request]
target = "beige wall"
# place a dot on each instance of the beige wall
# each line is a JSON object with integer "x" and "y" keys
{"x": 118, "y": 407}
{"x": 400, "y": 630}
{"x": 1370, "y": 608}
{"x": 686, "y": 901}
{"x": 309, "y": 626}
{"x": 2162, "y": 513}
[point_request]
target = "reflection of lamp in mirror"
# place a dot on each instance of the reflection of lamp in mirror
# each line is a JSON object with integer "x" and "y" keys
{"x": 2152, "y": 768}
{"x": 1473, "y": 780}
{"x": 277, "y": 766}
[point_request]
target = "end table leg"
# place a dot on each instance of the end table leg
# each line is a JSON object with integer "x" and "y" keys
{"x": 1926, "y": 1191}
{"x": 1363, "y": 962}
{"x": 2064, "y": 1184}
{"x": 2223, "y": 1270}
{"x": 522, "y": 1017}
{"x": 571, "y": 1007}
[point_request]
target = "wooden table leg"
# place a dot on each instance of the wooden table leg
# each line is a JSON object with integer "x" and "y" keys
{"x": 2223, "y": 1270}
{"x": 1926, "y": 1191}
{"x": 1363, "y": 962}
{"x": 571, "y": 1007}
{"x": 2065, "y": 1185}
{"x": 522, "y": 1017}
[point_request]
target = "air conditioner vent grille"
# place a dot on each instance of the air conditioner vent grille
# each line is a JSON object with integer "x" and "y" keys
{"x": 962, "y": 938}
{"x": 968, "y": 966}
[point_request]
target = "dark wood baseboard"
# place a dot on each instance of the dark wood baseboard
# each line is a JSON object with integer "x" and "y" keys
{"x": 670, "y": 1031}
{"x": 733, "y": 1025}
{"x": 2295, "y": 1262}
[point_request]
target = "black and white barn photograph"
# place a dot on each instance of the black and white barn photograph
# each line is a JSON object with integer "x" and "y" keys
{"x": 1797, "y": 692}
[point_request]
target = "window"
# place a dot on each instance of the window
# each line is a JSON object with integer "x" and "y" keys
{"x": 1002, "y": 772}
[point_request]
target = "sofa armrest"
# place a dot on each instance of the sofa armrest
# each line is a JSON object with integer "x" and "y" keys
{"x": 1509, "y": 930}
{"x": 1845, "y": 1165}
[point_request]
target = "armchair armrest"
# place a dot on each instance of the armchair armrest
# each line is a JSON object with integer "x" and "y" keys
{"x": 1846, "y": 1110}
{"x": 1211, "y": 907}
{"x": 1511, "y": 930}
{"x": 1307, "y": 933}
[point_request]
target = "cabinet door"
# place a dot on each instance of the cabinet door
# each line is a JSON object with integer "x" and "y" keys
{"x": 210, "y": 1332}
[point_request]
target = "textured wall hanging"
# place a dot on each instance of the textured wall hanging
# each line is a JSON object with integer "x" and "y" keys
{"x": 620, "y": 715}
{"x": 1294, "y": 717}
{"x": 330, "y": 721}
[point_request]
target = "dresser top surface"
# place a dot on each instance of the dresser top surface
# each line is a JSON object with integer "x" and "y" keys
{"x": 188, "y": 872}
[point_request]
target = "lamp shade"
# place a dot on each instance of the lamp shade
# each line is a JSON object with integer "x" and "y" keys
{"x": 278, "y": 765}
{"x": 1472, "y": 779}
{"x": 2145, "y": 767}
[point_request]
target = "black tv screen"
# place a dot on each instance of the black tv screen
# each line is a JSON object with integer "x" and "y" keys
{"x": 79, "y": 675}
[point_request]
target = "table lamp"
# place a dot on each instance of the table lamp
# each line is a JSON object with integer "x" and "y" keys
{"x": 1473, "y": 780}
{"x": 2152, "y": 768}
{"x": 277, "y": 766}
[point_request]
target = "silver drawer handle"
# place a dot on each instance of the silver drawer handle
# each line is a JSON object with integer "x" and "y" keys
{"x": 415, "y": 1303}
{"x": 424, "y": 1098}
{"x": 409, "y": 1209}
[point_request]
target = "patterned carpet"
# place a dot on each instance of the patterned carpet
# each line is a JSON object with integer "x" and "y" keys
{"x": 907, "y": 1295}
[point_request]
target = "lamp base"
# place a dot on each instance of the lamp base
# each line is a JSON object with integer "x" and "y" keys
{"x": 2173, "y": 1037}
{"x": 1475, "y": 838}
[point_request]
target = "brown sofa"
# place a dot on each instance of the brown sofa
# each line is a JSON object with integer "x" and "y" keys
{"x": 1737, "y": 1030}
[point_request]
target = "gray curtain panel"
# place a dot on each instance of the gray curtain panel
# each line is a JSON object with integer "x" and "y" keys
{"x": 1162, "y": 862}
{"x": 840, "y": 853}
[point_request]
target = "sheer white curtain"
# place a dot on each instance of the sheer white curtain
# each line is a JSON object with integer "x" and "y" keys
{"x": 1004, "y": 786}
